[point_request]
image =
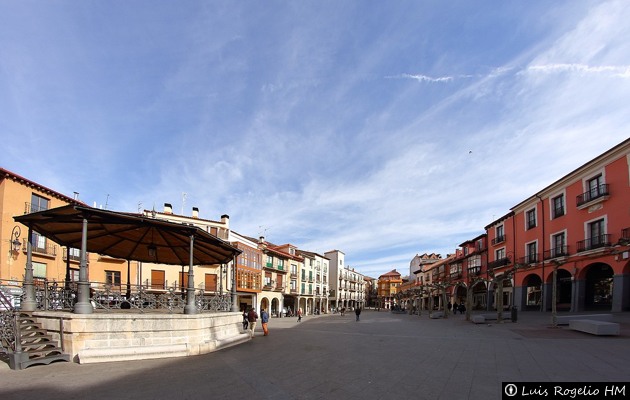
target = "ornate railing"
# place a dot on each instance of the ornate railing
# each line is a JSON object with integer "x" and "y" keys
{"x": 57, "y": 296}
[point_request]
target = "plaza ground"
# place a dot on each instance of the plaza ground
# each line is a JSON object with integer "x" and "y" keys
{"x": 383, "y": 356}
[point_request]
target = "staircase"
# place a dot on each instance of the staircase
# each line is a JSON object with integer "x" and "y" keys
{"x": 24, "y": 340}
{"x": 36, "y": 345}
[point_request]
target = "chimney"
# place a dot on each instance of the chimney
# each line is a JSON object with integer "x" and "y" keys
{"x": 76, "y": 195}
{"x": 195, "y": 213}
{"x": 261, "y": 239}
{"x": 225, "y": 219}
{"x": 168, "y": 208}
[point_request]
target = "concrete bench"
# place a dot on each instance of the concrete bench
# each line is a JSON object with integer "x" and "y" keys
{"x": 493, "y": 316}
{"x": 594, "y": 327}
{"x": 437, "y": 314}
{"x": 566, "y": 319}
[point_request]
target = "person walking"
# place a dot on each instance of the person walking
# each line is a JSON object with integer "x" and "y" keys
{"x": 299, "y": 313}
{"x": 264, "y": 320}
{"x": 357, "y": 311}
{"x": 252, "y": 317}
{"x": 245, "y": 319}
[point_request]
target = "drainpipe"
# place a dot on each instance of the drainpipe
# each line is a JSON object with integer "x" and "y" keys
{"x": 542, "y": 252}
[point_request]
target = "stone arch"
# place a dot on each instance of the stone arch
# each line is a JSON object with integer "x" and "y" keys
{"x": 275, "y": 307}
{"x": 598, "y": 286}
{"x": 532, "y": 292}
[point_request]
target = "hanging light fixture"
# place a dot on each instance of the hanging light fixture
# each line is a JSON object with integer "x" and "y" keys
{"x": 152, "y": 248}
{"x": 15, "y": 242}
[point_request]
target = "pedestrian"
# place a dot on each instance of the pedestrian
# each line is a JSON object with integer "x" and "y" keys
{"x": 449, "y": 306}
{"x": 462, "y": 308}
{"x": 252, "y": 317}
{"x": 264, "y": 319}
{"x": 299, "y": 313}
{"x": 455, "y": 308}
{"x": 357, "y": 311}
{"x": 245, "y": 319}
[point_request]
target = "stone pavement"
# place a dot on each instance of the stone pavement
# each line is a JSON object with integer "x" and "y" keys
{"x": 384, "y": 356}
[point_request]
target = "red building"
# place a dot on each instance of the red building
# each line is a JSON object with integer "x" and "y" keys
{"x": 579, "y": 226}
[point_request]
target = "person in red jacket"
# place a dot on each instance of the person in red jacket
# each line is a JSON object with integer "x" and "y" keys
{"x": 252, "y": 317}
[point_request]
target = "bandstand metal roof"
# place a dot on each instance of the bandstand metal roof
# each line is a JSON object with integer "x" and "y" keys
{"x": 130, "y": 236}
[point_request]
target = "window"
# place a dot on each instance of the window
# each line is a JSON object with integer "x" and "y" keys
{"x": 499, "y": 234}
{"x": 281, "y": 264}
{"x": 596, "y": 231}
{"x": 595, "y": 186}
{"x": 39, "y": 243}
{"x": 269, "y": 261}
{"x": 293, "y": 269}
{"x": 112, "y": 278}
{"x": 293, "y": 286}
{"x": 267, "y": 278}
{"x": 39, "y": 273}
{"x": 38, "y": 203}
{"x": 557, "y": 206}
{"x": 74, "y": 275}
{"x": 530, "y": 218}
{"x": 183, "y": 279}
{"x": 532, "y": 256}
{"x": 499, "y": 254}
{"x": 158, "y": 279}
{"x": 211, "y": 282}
{"x": 279, "y": 283}
{"x": 558, "y": 243}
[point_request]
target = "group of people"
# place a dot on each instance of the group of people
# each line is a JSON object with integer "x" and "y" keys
{"x": 250, "y": 318}
{"x": 455, "y": 307}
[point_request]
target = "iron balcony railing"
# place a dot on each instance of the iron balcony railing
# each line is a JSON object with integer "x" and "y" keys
{"x": 561, "y": 251}
{"x": 498, "y": 239}
{"x": 501, "y": 262}
{"x": 474, "y": 271}
{"x": 625, "y": 234}
{"x": 594, "y": 242}
{"x": 593, "y": 194}
{"x": 47, "y": 249}
{"x": 529, "y": 259}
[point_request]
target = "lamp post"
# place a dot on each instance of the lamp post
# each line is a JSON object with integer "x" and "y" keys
{"x": 15, "y": 240}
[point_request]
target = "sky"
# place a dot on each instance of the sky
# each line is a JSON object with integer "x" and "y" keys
{"x": 381, "y": 129}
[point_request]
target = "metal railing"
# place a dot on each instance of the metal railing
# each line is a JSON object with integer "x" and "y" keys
{"x": 594, "y": 242}
{"x": 61, "y": 296}
{"x": 561, "y": 251}
{"x": 593, "y": 194}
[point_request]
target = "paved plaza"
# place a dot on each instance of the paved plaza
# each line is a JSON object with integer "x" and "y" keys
{"x": 384, "y": 356}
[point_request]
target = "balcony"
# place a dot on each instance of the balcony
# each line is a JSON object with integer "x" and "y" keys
{"x": 562, "y": 251}
{"x": 599, "y": 193}
{"x": 501, "y": 262}
{"x": 474, "y": 271}
{"x": 529, "y": 259}
{"x": 593, "y": 243}
{"x": 498, "y": 239}
{"x": 46, "y": 250}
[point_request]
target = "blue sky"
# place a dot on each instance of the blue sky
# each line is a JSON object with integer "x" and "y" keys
{"x": 382, "y": 129}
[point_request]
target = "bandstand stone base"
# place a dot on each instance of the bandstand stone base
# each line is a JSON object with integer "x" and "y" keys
{"x": 123, "y": 335}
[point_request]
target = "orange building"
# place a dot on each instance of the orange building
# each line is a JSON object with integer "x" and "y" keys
{"x": 51, "y": 262}
{"x": 388, "y": 287}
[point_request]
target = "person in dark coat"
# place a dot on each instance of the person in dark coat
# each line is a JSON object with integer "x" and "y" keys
{"x": 357, "y": 311}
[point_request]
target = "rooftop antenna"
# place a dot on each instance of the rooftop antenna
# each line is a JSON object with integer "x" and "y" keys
{"x": 107, "y": 201}
{"x": 139, "y": 207}
{"x": 183, "y": 202}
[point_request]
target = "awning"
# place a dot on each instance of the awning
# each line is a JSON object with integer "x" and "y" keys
{"x": 130, "y": 236}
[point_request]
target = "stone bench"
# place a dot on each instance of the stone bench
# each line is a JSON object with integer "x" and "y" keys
{"x": 566, "y": 319}
{"x": 436, "y": 314}
{"x": 593, "y": 327}
{"x": 482, "y": 318}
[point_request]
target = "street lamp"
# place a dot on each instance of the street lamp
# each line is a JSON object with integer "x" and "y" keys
{"x": 15, "y": 240}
